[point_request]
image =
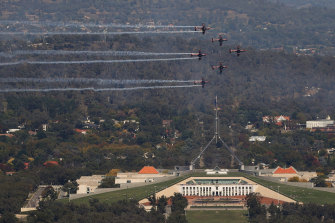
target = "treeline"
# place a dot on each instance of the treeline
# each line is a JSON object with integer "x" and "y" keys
{"x": 288, "y": 212}
{"x": 259, "y": 23}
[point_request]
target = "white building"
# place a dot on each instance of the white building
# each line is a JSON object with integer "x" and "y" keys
{"x": 12, "y": 131}
{"x": 321, "y": 123}
{"x": 257, "y": 138}
{"x": 216, "y": 170}
{"x": 216, "y": 187}
{"x": 88, "y": 184}
{"x": 147, "y": 174}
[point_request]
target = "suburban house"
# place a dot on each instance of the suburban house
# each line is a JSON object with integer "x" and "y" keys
{"x": 257, "y": 138}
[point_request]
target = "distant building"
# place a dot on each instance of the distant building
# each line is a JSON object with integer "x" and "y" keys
{"x": 283, "y": 173}
{"x": 88, "y": 184}
{"x": 146, "y": 175}
{"x": 44, "y": 127}
{"x": 82, "y": 131}
{"x": 12, "y": 131}
{"x": 331, "y": 151}
{"x": 7, "y": 135}
{"x": 321, "y": 123}
{"x": 278, "y": 120}
{"x": 257, "y": 138}
{"x": 51, "y": 163}
{"x": 216, "y": 171}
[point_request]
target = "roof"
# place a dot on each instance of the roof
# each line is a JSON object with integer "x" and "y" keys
{"x": 289, "y": 170}
{"x": 47, "y": 163}
{"x": 148, "y": 170}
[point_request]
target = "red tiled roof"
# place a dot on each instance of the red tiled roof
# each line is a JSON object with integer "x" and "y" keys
{"x": 50, "y": 163}
{"x": 8, "y": 135}
{"x": 148, "y": 170}
{"x": 80, "y": 131}
{"x": 289, "y": 170}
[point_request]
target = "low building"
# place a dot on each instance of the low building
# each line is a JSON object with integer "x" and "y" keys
{"x": 88, "y": 184}
{"x": 320, "y": 123}
{"x": 286, "y": 173}
{"x": 12, "y": 131}
{"x": 257, "y": 138}
{"x": 216, "y": 171}
{"x": 147, "y": 174}
{"x": 50, "y": 163}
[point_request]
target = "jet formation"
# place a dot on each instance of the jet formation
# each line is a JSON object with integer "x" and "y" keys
{"x": 203, "y": 29}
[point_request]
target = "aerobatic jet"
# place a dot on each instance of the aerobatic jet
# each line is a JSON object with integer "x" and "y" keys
{"x": 199, "y": 54}
{"x": 220, "y": 67}
{"x": 202, "y": 82}
{"x": 203, "y": 28}
{"x": 220, "y": 39}
{"x": 238, "y": 51}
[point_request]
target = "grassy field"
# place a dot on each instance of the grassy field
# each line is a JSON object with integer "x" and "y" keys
{"x": 137, "y": 193}
{"x": 299, "y": 194}
{"x": 217, "y": 216}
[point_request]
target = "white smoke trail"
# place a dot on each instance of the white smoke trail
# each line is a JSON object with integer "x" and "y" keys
{"x": 93, "y": 61}
{"x": 94, "y": 89}
{"x": 85, "y": 52}
{"x": 79, "y": 25}
{"x": 87, "y": 80}
{"x": 96, "y": 33}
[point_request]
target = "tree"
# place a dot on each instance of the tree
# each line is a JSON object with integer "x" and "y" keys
{"x": 161, "y": 204}
{"x": 254, "y": 206}
{"x": 108, "y": 182}
{"x": 71, "y": 186}
{"x": 179, "y": 203}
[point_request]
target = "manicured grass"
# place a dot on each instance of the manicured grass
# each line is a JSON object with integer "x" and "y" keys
{"x": 137, "y": 193}
{"x": 305, "y": 195}
{"x": 212, "y": 216}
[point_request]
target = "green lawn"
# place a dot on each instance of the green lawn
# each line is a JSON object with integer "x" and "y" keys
{"x": 232, "y": 216}
{"x": 304, "y": 195}
{"x": 136, "y": 193}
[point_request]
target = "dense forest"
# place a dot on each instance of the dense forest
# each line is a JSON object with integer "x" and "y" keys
{"x": 307, "y": 3}
{"x": 258, "y": 23}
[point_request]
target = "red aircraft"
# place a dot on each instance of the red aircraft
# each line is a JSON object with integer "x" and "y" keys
{"x": 238, "y": 51}
{"x": 203, "y": 28}
{"x": 220, "y": 39}
{"x": 202, "y": 82}
{"x": 220, "y": 67}
{"x": 199, "y": 54}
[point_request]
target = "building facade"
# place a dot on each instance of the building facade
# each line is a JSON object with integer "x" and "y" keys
{"x": 319, "y": 123}
{"x": 88, "y": 184}
{"x": 216, "y": 187}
